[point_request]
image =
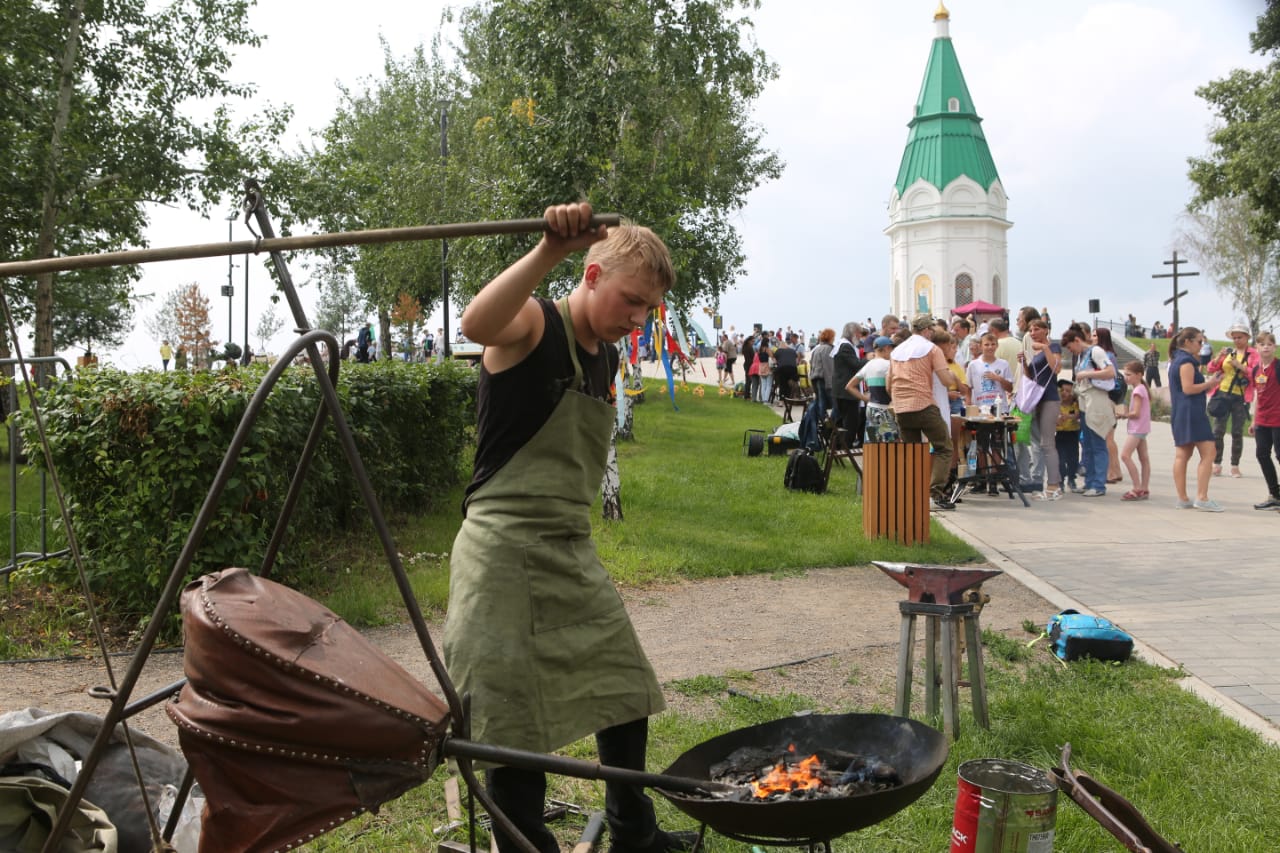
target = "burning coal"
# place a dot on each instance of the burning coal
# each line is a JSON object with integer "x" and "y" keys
{"x": 778, "y": 774}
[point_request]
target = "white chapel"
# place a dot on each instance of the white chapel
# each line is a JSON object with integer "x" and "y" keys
{"x": 948, "y": 214}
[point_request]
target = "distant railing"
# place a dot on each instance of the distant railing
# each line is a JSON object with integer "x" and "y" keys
{"x": 18, "y": 559}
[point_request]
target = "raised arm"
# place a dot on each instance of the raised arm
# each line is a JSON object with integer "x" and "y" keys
{"x": 502, "y": 316}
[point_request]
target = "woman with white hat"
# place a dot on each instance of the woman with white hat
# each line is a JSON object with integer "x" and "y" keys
{"x": 1238, "y": 364}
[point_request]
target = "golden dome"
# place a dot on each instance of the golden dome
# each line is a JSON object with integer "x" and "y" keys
{"x": 942, "y": 14}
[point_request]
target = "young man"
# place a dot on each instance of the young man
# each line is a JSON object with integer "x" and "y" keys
{"x": 912, "y": 368}
{"x": 536, "y": 632}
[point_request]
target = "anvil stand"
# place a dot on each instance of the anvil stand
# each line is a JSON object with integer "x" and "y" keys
{"x": 938, "y": 594}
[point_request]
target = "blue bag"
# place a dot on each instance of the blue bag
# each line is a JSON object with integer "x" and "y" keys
{"x": 1075, "y": 635}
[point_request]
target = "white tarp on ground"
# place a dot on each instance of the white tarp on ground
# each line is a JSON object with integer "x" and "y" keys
{"x": 60, "y": 742}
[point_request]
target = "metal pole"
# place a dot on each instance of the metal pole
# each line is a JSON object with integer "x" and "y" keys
{"x": 230, "y": 219}
{"x": 285, "y": 244}
{"x": 444, "y": 244}
{"x": 246, "y": 305}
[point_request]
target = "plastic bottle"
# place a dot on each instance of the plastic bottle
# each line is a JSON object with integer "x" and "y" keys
{"x": 973, "y": 459}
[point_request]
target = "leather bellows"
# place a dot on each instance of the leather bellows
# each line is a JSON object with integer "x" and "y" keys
{"x": 292, "y": 721}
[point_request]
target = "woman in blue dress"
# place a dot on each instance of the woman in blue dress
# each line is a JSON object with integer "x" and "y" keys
{"x": 1190, "y": 421}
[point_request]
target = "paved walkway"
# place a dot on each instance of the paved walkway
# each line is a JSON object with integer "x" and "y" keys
{"x": 1196, "y": 589}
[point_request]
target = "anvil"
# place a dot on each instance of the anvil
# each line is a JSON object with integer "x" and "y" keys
{"x": 935, "y": 584}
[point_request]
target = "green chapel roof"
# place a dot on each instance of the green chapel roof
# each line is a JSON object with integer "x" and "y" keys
{"x": 944, "y": 143}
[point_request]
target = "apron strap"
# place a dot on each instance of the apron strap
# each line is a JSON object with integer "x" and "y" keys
{"x": 563, "y": 305}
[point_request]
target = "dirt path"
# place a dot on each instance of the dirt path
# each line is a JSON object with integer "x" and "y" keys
{"x": 831, "y": 633}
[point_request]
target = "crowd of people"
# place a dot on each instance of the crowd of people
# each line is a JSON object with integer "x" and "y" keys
{"x": 921, "y": 379}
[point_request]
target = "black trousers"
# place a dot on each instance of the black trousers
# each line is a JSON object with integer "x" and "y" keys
{"x": 522, "y": 793}
{"x": 1267, "y": 440}
{"x": 1239, "y": 410}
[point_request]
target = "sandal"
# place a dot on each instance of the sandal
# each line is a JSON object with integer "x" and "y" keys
{"x": 1235, "y": 472}
{"x": 1217, "y": 470}
{"x": 1113, "y": 480}
{"x": 1132, "y": 495}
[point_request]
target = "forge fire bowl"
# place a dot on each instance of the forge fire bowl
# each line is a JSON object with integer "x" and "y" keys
{"x": 917, "y": 751}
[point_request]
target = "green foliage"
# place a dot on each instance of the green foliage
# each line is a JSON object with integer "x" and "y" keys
{"x": 137, "y": 454}
{"x": 94, "y": 126}
{"x": 1244, "y": 148}
{"x": 641, "y": 107}
{"x": 379, "y": 165}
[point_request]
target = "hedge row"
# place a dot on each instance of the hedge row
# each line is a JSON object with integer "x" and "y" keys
{"x": 137, "y": 454}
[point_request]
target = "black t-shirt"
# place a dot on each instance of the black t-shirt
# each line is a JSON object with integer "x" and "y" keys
{"x": 513, "y": 405}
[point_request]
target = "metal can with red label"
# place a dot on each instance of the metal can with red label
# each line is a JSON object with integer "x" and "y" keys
{"x": 1003, "y": 807}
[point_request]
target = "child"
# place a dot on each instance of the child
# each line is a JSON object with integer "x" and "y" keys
{"x": 956, "y": 399}
{"x": 989, "y": 377}
{"x": 561, "y": 660}
{"x": 1265, "y": 426}
{"x": 881, "y": 424}
{"x": 1067, "y": 438}
{"x": 1138, "y": 418}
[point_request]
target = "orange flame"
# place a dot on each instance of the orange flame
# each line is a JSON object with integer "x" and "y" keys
{"x": 786, "y": 776}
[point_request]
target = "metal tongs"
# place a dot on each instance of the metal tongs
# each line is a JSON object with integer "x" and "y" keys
{"x": 1116, "y": 814}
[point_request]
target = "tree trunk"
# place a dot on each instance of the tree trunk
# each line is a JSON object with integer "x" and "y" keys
{"x": 386, "y": 349}
{"x": 611, "y": 498}
{"x": 50, "y": 203}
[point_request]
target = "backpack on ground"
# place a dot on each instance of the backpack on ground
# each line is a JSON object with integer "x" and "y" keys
{"x": 1076, "y": 635}
{"x": 804, "y": 472}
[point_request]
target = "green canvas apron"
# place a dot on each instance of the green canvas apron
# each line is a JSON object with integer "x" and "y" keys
{"x": 536, "y": 631}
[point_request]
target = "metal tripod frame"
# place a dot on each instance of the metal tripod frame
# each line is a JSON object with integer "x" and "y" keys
{"x": 254, "y": 207}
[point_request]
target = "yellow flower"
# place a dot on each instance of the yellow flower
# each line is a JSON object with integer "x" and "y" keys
{"x": 523, "y": 108}
{"x": 699, "y": 391}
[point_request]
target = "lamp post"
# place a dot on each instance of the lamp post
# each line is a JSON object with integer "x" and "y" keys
{"x": 246, "y": 304}
{"x": 444, "y": 244}
{"x": 229, "y": 290}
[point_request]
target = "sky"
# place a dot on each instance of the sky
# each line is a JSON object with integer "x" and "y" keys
{"x": 1089, "y": 109}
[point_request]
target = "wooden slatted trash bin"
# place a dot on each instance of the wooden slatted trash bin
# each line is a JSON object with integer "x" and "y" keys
{"x": 895, "y": 494}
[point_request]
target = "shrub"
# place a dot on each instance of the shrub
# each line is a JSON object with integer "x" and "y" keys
{"x": 137, "y": 454}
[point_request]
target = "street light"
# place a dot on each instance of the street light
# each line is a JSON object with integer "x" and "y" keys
{"x": 444, "y": 244}
{"x": 230, "y": 290}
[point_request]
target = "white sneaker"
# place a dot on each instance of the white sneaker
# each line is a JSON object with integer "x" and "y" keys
{"x": 1209, "y": 506}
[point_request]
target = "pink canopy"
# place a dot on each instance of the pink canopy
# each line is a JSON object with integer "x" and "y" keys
{"x": 978, "y": 307}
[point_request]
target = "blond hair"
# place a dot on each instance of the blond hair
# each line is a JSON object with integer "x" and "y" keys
{"x": 1271, "y": 339}
{"x": 637, "y": 250}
